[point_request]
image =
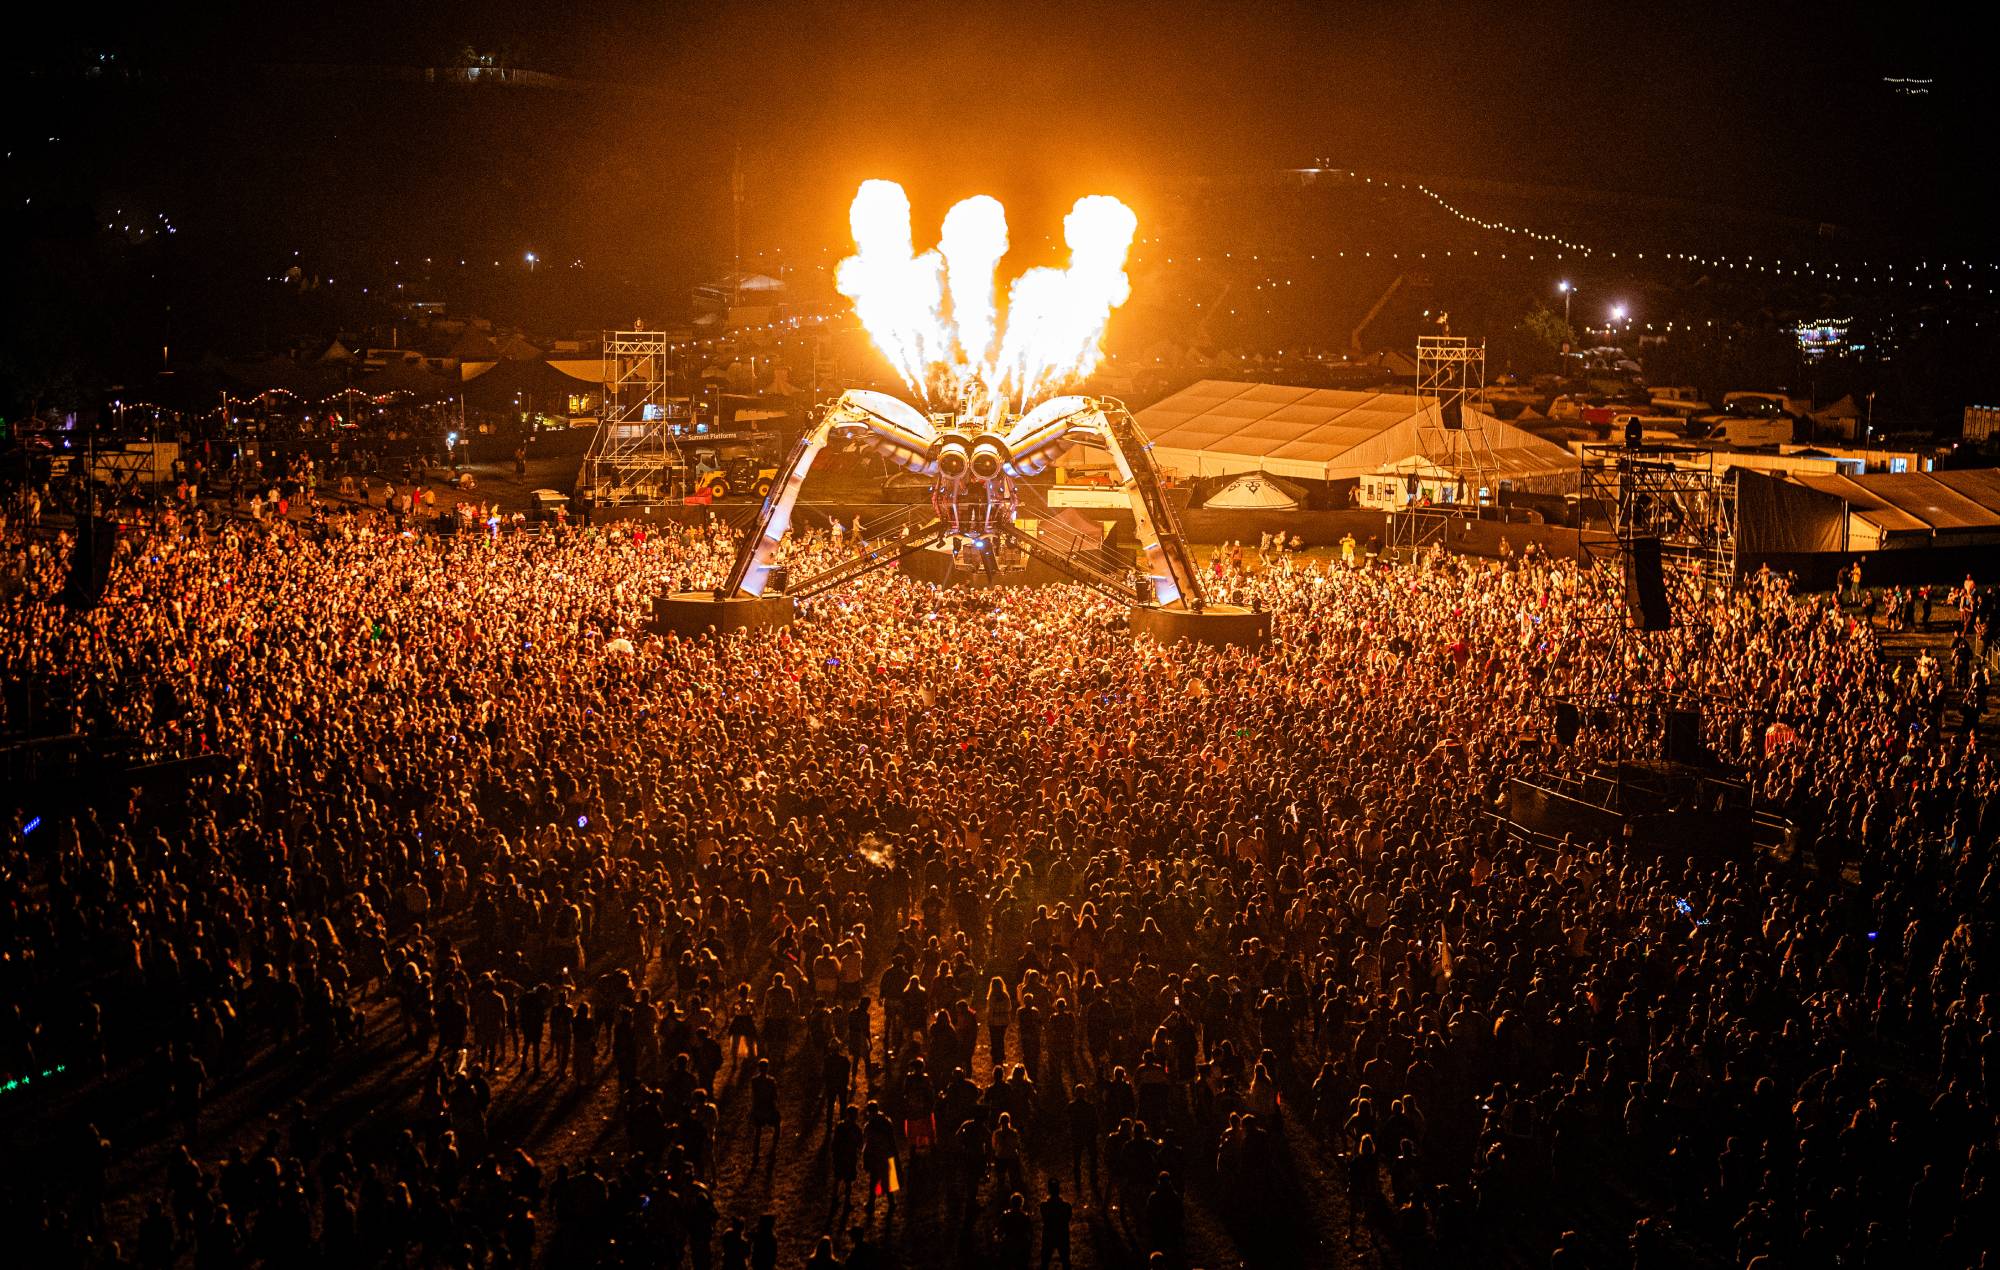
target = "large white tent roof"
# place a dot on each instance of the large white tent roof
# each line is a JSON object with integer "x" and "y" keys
{"x": 1217, "y": 427}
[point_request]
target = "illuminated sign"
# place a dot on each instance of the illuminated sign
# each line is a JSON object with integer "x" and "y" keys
{"x": 1822, "y": 337}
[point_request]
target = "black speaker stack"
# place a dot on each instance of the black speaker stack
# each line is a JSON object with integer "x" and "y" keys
{"x": 1646, "y": 605}
{"x": 90, "y": 562}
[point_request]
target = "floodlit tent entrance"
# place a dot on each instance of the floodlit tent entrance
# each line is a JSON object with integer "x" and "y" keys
{"x": 1417, "y": 481}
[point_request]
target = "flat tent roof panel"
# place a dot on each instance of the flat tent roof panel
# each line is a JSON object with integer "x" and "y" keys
{"x": 1320, "y": 443}
{"x": 1332, "y": 438}
{"x": 1980, "y": 485}
{"x": 1520, "y": 460}
{"x": 1302, "y": 415}
{"x": 1274, "y": 393}
{"x": 1268, "y": 430}
{"x": 1869, "y": 506}
{"x": 1192, "y": 437}
{"x": 1236, "y": 445}
{"x": 1929, "y": 500}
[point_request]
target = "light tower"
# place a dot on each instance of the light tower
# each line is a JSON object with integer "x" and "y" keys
{"x": 1453, "y": 472}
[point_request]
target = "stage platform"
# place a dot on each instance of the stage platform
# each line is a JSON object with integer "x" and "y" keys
{"x": 691, "y": 613}
{"x": 1218, "y": 625}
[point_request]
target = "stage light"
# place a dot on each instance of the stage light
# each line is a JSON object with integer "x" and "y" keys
{"x": 989, "y": 457}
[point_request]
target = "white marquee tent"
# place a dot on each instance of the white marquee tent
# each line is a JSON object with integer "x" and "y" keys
{"x": 1220, "y": 427}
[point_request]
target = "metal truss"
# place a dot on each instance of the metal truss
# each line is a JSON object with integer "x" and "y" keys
{"x": 1677, "y": 496}
{"x": 629, "y": 458}
{"x": 1451, "y": 383}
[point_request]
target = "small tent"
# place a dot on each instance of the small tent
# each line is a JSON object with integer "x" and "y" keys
{"x": 1841, "y": 419}
{"x": 473, "y": 345}
{"x": 522, "y": 388}
{"x": 409, "y": 377}
{"x": 1256, "y": 491}
{"x": 516, "y": 348}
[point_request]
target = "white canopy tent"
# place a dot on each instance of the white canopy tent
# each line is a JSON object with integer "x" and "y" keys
{"x": 1220, "y": 427}
{"x": 1256, "y": 491}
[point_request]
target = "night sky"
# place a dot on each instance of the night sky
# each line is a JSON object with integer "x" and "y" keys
{"x": 1765, "y": 105}
{"x": 227, "y": 121}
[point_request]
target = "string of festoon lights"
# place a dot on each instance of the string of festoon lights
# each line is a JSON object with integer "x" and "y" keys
{"x": 1864, "y": 272}
{"x": 1929, "y": 275}
{"x": 351, "y": 396}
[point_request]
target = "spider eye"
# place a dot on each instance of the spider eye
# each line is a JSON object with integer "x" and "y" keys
{"x": 989, "y": 456}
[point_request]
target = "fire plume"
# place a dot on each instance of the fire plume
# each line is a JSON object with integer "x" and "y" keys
{"x": 935, "y": 315}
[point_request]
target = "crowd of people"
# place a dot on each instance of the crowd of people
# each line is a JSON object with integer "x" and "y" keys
{"x": 483, "y": 927}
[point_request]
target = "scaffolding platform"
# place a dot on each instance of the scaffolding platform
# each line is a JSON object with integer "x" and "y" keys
{"x": 1451, "y": 442}
{"x": 634, "y": 449}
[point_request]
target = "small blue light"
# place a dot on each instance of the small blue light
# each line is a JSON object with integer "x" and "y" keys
{"x": 31, "y": 826}
{"x": 583, "y": 822}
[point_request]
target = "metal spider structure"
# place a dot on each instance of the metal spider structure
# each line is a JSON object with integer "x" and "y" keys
{"x": 974, "y": 472}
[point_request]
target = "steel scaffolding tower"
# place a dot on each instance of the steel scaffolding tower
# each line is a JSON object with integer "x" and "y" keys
{"x": 1677, "y": 496}
{"x": 1454, "y": 454}
{"x": 629, "y": 458}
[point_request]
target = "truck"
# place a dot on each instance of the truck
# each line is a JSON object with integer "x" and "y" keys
{"x": 720, "y": 476}
{"x": 1748, "y": 419}
{"x": 1683, "y": 401}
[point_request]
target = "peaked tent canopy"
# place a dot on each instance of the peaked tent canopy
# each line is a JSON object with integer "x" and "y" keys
{"x": 409, "y": 377}
{"x": 517, "y": 386}
{"x": 474, "y": 345}
{"x": 1257, "y": 491}
{"x": 517, "y": 349}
